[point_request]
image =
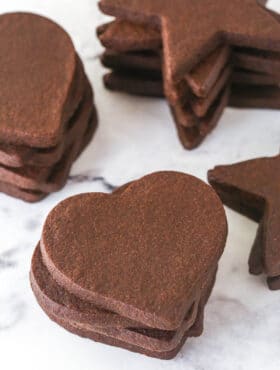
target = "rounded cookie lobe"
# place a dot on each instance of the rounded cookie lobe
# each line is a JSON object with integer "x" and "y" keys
{"x": 143, "y": 252}
{"x": 37, "y": 67}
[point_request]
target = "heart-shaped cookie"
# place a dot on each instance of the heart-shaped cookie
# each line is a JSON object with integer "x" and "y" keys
{"x": 57, "y": 301}
{"x": 143, "y": 252}
{"x": 37, "y": 69}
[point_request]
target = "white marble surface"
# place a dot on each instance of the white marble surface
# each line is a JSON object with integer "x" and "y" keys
{"x": 137, "y": 136}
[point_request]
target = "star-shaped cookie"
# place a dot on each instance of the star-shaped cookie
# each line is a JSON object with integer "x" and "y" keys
{"x": 253, "y": 189}
{"x": 192, "y": 29}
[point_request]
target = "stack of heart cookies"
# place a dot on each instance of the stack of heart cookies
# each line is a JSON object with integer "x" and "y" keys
{"x": 109, "y": 268}
{"x": 201, "y": 57}
{"x": 47, "y": 115}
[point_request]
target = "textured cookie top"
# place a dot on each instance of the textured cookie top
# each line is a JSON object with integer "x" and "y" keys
{"x": 253, "y": 188}
{"x": 37, "y": 67}
{"x": 121, "y": 35}
{"x": 191, "y": 29}
{"x": 142, "y": 252}
{"x": 259, "y": 177}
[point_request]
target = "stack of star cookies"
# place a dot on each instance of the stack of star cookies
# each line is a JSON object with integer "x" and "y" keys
{"x": 252, "y": 189}
{"x": 118, "y": 276}
{"x": 154, "y": 49}
{"x": 47, "y": 115}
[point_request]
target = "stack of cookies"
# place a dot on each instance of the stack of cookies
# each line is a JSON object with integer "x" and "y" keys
{"x": 118, "y": 276}
{"x": 200, "y": 62}
{"x": 47, "y": 115}
{"x": 252, "y": 189}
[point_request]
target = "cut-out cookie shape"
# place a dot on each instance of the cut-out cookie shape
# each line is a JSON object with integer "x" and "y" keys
{"x": 47, "y": 114}
{"x": 252, "y": 188}
{"x": 201, "y": 47}
{"x": 145, "y": 255}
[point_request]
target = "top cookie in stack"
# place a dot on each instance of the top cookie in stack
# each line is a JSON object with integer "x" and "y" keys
{"x": 198, "y": 49}
{"x": 47, "y": 116}
{"x": 124, "y": 279}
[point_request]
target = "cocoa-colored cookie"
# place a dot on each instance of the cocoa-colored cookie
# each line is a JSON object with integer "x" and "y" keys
{"x": 244, "y": 77}
{"x": 200, "y": 106}
{"x": 47, "y": 115}
{"x": 37, "y": 71}
{"x": 149, "y": 65}
{"x": 146, "y": 62}
{"x": 21, "y": 155}
{"x": 23, "y": 194}
{"x": 122, "y": 35}
{"x": 191, "y": 137}
{"x": 246, "y": 26}
{"x": 105, "y": 339}
{"x": 253, "y": 90}
{"x": 64, "y": 307}
{"x": 57, "y": 300}
{"x": 34, "y": 178}
{"x": 161, "y": 295}
{"x": 244, "y": 23}
{"x": 252, "y": 188}
{"x": 201, "y": 79}
{"x": 59, "y": 173}
{"x": 135, "y": 84}
{"x": 149, "y": 61}
{"x": 148, "y": 84}
{"x": 249, "y": 96}
{"x": 257, "y": 60}
{"x": 188, "y": 115}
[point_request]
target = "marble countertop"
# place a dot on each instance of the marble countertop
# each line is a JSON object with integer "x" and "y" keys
{"x": 137, "y": 136}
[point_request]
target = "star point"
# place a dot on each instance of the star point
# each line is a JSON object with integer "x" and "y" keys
{"x": 253, "y": 189}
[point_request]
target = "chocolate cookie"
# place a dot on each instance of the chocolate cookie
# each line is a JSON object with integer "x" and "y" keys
{"x": 244, "y": 96}
{"x": 159, "y": 310}
{"x": 37, "y": 70}
{"x": 58, "y": 175}
{"x": 122, "y": 35}
{"x": 135, "y": 84}
{"x": 257, "y": 60}
{"x": 191, "y": 137}
{"x": 244, "y": 29}
{"x": 252, "y": 188}
{"x": 47, "y": 112}
{"x": 33, "y": 177}
{"x": 170, "y": 314}
{"x": 66, "y": 306}
{"x": 244, "y": 77}
{"x": 201, "y": 79}
{"x": 22, "y": 155}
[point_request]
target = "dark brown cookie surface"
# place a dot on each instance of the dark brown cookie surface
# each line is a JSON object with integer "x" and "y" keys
{"x": 246, "y": 28}
{"x": 136, "y": 56}
{"x": 22, "y": 155}
{"x": 56, "y": 176}
{"x": 62, "y": 306}
{"x": 244, "y": 23}
{"x": 55, "y": 299}
{"x": 37, "y": 69}
{"x": 146, "y": 213}
{"x": 191, "y": 137}
{"x": 122, "y": 35}
{"x": 252, "y": 188}
{"x": 258, "y": 96}
{"x": 33, "y": 177}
